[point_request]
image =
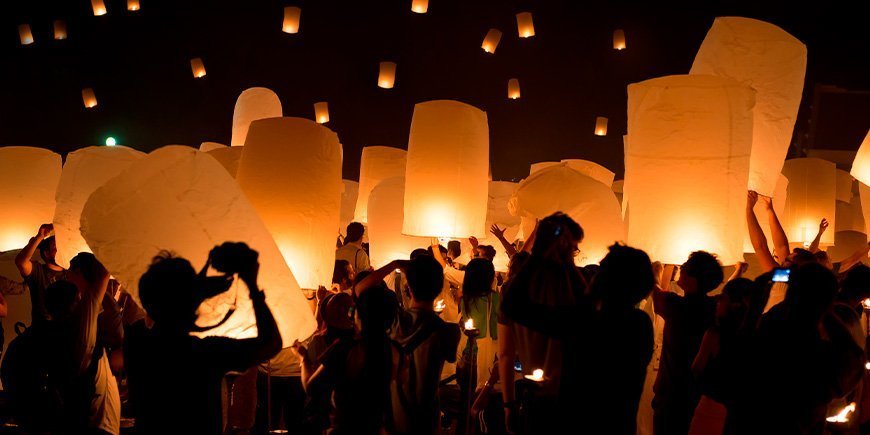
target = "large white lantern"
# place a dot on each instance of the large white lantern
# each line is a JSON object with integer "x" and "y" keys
{"x": 850, "y": 217}
{"x": 386, "y": 211}
{"x": 291, "y": 172}
{"x": 85, "y": 170}
{"x": 772, "y": 62}
{"x": 349, "y": 198}
{"x": 535, "y": 167}
{"x": 208, "y": 146}
{"x": 181, "y": 200}
{"x": 28, "y": 180}
{"x": 591, "y": 169}
{"x": 861, "y": 164}
{"x": 253, "y": 104}
{"x": 812, "y": 193}
{"x": 687, "y": 166}
{"x": 864, "y": 192}
{"x": 446, "y": 176}
{"x": 844, "y": 186}
{"x": 228, "y": 157}
{"x": 377, "y": 163}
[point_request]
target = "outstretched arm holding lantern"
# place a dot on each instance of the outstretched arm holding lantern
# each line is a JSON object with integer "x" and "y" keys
{"x": 22, "y": 260}
{"x": 499, "y": 234}
{"x": 780, "y": 240}
{"x": 756, "y": 235}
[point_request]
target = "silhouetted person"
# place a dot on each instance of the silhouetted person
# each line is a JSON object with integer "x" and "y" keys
{"x": 342, "y": 275}
{"x": 175, "y": 378}
{"x": 38, "y": 276}
{"x": 352, "y": 251}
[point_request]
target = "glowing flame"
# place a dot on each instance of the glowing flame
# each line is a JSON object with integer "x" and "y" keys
{"x": 866, "y": 303}
{"x": 843, "y": 415}
{"x": 419, "y": 6}
{"x": 440, "y": 305}
{"x": 867, "y": 366}
{"x": 469, "y": 324}
{"x": 537, "y": 375}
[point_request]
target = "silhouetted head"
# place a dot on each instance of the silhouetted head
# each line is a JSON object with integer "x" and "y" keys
{"x": 823, "y": 259}
{"x": 60, "y": 298}
{"x": 337, "y": 311}
{"x": 377, "y": 307}
{"x": 454, "y": 249}
{"x": 343, "y": 274}
{"x": 48, "y": 250}
{"x": 557, "y": 238}
{"x": 811, "y": 291}
{"x": 479, "y": 274}
{"x": 166, "y": 290}
{"x": 441, "y": 248}
{"x": 799, "y": 257}
{"x": 517, "y": 262}
{"x": 485, "y": 251}
{"x": 418, "y": 252}
{"x": 732, "y": 306}
{"x": 856, "y": 285}
{"x": 701, "y": 273}
{"x": 624, "y": 277}
{"x": 355, "y": 231}
{"x": 425, "y": 278}
{"x": 86, "y": 265}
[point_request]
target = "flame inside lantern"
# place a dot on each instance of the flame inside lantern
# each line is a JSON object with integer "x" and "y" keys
{"x": 537, "y": 375}
{"x": 843, "y": 415}
{"x": 440, "y": 305}
{"x": 469, "y": 324}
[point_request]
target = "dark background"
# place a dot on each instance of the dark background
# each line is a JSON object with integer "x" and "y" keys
{"x": 138, "y": 65}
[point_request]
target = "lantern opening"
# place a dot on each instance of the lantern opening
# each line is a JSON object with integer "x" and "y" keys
{"x": 110, "y": 141}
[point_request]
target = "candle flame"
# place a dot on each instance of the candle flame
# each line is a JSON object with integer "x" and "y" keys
{"x": 866, "y": 303}
{"x": 843, "y": 415}
{"x": 867, "y": 365}
{"x": 469, "y": 324}
{"x": 537, "y": 375}
{"x": 440, "y": 305}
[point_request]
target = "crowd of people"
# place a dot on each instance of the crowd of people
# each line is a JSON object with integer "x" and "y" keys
{"x": 441, "y": 342}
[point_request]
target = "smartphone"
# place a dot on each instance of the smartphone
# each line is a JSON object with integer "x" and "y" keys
{"x": 781, "y": 274}
{"x": 518, "y": 367}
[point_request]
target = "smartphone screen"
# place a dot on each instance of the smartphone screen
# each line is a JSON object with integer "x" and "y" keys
{"x": 517, "y": 366}
{"x": 781, "y": 274}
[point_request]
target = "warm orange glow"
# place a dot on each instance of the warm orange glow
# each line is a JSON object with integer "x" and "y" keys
{"x": 861, "y": 164}
{"x": 469, "y": 324}
{"x": 866, "y": 303}
{"x": 618, "y": 39}
{"x": 812, "y": 195}
{"x": 29, "y": 178}
{"x": 292, "y": 15}
{"x": 419, "y": 6}
{"x": 253, "y": 104}
{"x": 197, "y": 67}
{"x": 513, "y": 89}
{"x": 601, "y": 126}
{"x": 25, "y": 35}
{"x": 843, "y": 415}
{"x": 321, "y": 112}
{"x": 491, "y": 40}
{"x": 867, "y": 365}
{"x": 89, "y": 98}
{"x": 440, "y": 305}
{"x": 378, "y": 163}
{"x": 133, "y": 5}
{"x": 537, "y": 375}
{"x": 525, "y": 27}
{"x": 99, "y": 7}
{"x": 387, "y": 75}
{"x": 59, "y": 29}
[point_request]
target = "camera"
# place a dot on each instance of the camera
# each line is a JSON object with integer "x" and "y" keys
{"x": 781, "y": 274}
{"x": 232, "y": 257}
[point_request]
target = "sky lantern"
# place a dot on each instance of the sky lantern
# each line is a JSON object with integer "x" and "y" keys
{"x": 291, "y": 173}
{"x": 133, "y": 5}
{"x": 377, "y": 163}
{"x": 591, "y": 169}
{"x": 386, "y": 213}
{"x": 844, "y": 186}
{"x": 59, "y": 30}
{"x": 498, "y": 213}
{"x": 617, "y": 188}
{"x": 228, "y": 157}
{"x": 253, "y": 104}
{"x": 772, "y": 62}
{"x": 812, "y": 193}
{"x": 535, "y": 167}
{"x": 619, "y": 39}
{"x": 513, "y": 89}
{"x": 197, "y": 67}
{"x": 208, "y": 146}
{"x": 600, "y": 126}
{"x": 99, "y": 7}
{"x": 349, "y": 196}
{"x": 419, "y": 6}
{"x": 446, "y": 173}
{"x": 779, "y": 196}
{"x": 864, "y": 193}
{"x": 28, "y": 180}
{"x": 89, "y": 98}
{"x": 179, "y": 199}
{"x": 321, "y": 112}
{"x": 491, "y": 40}
{"x": 525, "y": 27}
{"x": 25, "y": 35}
{"x": 292, "y": 15}
{"x": 85, "y": 170}
{"x": 850, "y": 216}
{"x": 387, "y": 75}
{"x": 686, "y": 176}
{"x": 861, "y": 165}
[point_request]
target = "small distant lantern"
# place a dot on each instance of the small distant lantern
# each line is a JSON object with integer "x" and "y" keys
{"x": 419, "y": 6}
{"x": 133, "y": 5}
{"x": 89, "y": 98}
{"x": 490, "y": 42}
{"x": 99, "y": 7}
{"x": 292, "y": 14}
{"x": 524, "y": 25}
{"x": 600, "y": 126}
{"x": 197, "y": 67}
{"x": 513, "y": 89}
{"x": 59, "y": 29}
{"x": 25, "y": 35}
{"x": 619, "y": 39}
{"x": 321, "y": 112}
{"x": 387, "y": 75}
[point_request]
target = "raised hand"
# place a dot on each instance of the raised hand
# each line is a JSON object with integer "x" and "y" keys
{"x": 474, "y": 242}
{"x": 44, "y": 230}
{"x": 823, "y": 225}
{"x": 496, "y": 231}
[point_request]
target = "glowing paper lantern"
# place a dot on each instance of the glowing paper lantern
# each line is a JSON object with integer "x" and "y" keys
{"x": 773, "y": 63}
{"x": 99, "y": 7}
{"x": 812, "y": 192}
{"x": 861, "y": 164}
{"x": 846, "y": 243}
{"x": 419, "y": 6}
{"x": 385, "y": 211}
{"x": 208, "y": 146}
{"x": 864, "y": 192}
{"x": 253, "y": 104}
{"x": 513, "y": 89}
{"x": 619, "y": 39}
{"x": 89, "y": 98}
{"x": 535, "y": 167}
{"x": 133, "y": 5}
{"x": 291, "y": 173}
{"x": 524, "y": 25}
{"x": 760, "y": 210}
{"x": 498, "y": 212}
{"x": 491, "y": 40}
{"x": 591, "y": 169}
{"x": 228, "y": 157}
{"x": 387, "y": 75}
{"x": 181, "y": 200}
{"x": 617, "y": 187}
{"x": 292, "y": 14}
{"x": 85, "y": 170}
{"x": 850, "y": 217}
{"x": 600, "y": 126}
{"x": 25, "y": 35}
{"x": 59, "y": 30}
{"x": 844, "y": 186}
{"x": 197, "y": 67}
{"x": 28, "y": 180}
{"x": 349, "y": 196}
{"x": 321, "y": 112}
{"x": 687, "y": 166}
{"x": 446, "y": 173}
{"x": 376, "y": 164}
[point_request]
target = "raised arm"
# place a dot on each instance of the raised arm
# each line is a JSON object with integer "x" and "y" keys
{"x": 22, "y": 260}
{"x": 756, "y": 235}
{"x": 530, "y": 240}
{"x": 780, "y": 240}
{"x": 379, "y": 275}
{"x": 663, "y": 274}
{"x": 814, "y": 246}
{"x": 499, "y": 234}
{"x": 436, "y": 252}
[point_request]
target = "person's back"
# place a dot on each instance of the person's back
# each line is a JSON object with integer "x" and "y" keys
{"x": 352, "y": 250}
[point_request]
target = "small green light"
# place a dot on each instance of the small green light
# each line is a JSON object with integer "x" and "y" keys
{"x": 110, "y": 141}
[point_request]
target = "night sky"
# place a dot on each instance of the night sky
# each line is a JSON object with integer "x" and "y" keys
{"x": 138, "y": 65}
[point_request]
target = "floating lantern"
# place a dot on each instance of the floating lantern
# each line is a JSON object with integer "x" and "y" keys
{"x": 419, "y": 6}
{"x": 591, "y": 169}
{"x": 292, "y": 14}
{"x": 208, "y": 146}
{"x": 253, "y": 104}
{"x": 291, "y": 173}
{"x": 524, "y": 25}
{"x": 600, "y": 126}
{"x": 812, "y": 191}
{"x": 446, "y": 173}
{"x": 861, "y": 164}
{"x": 498, "y": 213}
{"x": 387, "y": 75}
{"x": 349, "y": 197}
{"x": 385, "y": 216}
{"x": 491, "y": 40}
{"x": 179, "y": 199}
{"x": 377, "y": 163}
{"x": 228, "y": 157}
{"x": 99, "y": 7}
{"x": 28, "y": 180}
{"x": 846, "y": 243}
{"x": 772, "y": 62}
{"x": 197, "y": 67}
{"x": 89, "y": 98}
{"x": 844, "y": 186}
{"x": 536, "y": 376}
{"x": 619, "y": 39}
{"x": 686, "y": 176}
{"x": 535, "y": 167}
{"x": 865, "y": 205}
{"x": 843, "y": 415}
{"x": 25, "y": 35}
{"x": 779, "y": 196}
{"x": 59, "y": 30}
{"x": 84, "y": 171}
{"x": 617, "y": 187}
{"x": 133, "y": 5}
{"x": 321, "y": 112}
{"x": 513, "y": 89}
